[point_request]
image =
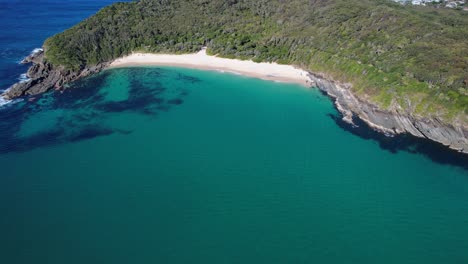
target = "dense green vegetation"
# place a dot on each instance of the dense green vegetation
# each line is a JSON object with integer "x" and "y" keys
{"x": 396, "y": 56}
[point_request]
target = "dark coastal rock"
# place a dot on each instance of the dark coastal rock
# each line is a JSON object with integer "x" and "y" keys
{"x": 44, "y": 76}
{"x": 394, "y": 120}
{"x": 34, "y": 57}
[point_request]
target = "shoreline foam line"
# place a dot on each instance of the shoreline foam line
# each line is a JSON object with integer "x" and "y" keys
{"x": 203, "y": 61}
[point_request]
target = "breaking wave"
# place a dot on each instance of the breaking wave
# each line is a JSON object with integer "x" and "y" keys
{"x": 37, "y": 50}
{"x": 33, "y": 52}
{"x": 23, "y": 78}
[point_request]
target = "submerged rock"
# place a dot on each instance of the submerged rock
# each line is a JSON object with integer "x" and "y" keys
{"x": 44, "y": 77}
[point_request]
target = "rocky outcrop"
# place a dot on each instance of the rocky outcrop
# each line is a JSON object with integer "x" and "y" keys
{"x": 392, "y": 121}
{"x": 43, "y": 76}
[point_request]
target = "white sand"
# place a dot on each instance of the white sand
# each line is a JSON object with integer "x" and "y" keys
{"x": 200, "y": 60}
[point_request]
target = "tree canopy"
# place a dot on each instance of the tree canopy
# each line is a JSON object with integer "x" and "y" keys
{"x": 413, "y": 58}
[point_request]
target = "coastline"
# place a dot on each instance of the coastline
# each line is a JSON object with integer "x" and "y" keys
{"x": 388, "y": 122}
{"x": 203, "y": 61}
{"x": 391, "y": 121}
{"x": 42, "y": 77}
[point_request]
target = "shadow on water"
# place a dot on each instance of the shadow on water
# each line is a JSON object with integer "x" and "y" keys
{"x": 140, "y": 99}
{"x": 86, "y": 108}
{"x": 405, "y": 142}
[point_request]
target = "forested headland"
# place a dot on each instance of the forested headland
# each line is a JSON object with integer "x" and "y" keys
{"x": 411, "y": 58}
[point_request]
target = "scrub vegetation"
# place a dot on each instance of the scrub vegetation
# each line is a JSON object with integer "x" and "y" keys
{"x": 410, "y": 58}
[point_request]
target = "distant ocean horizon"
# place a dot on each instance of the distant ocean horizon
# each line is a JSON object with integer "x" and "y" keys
{"x": 176, "y": 165}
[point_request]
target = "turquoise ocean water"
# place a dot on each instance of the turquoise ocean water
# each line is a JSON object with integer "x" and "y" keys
{"x": 171, "y": 165}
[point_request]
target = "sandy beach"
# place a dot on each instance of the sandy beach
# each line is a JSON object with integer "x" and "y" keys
{"x": 200, "y": 60}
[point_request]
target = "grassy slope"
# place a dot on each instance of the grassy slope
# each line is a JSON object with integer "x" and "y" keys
{"x": 415, "y": 58}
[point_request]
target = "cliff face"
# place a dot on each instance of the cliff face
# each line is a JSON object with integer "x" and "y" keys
{"x": 391, "y": 121}
{"x": 43, "y": 76}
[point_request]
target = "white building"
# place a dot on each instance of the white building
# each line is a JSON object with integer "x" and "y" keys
{"x": 449, "y": 3}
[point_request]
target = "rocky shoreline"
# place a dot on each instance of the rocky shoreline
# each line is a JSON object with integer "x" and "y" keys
{"x": 390, "y": 122}
{"x": 44, "y": 77}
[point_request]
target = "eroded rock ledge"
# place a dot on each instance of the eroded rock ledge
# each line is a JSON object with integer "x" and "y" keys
{"x": 391, "y": 121}
{"x": 44, "y": 77}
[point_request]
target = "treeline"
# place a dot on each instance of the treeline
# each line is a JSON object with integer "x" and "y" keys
{"x": 412, "y": 57}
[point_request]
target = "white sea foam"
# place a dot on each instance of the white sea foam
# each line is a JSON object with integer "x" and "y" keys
{"x": 24, "y": 78}
{"x": 37, "y": 50}
{"x": 225, "y": 71}
{"x": 4, "y": 102}
{"x": 33, "y": 52}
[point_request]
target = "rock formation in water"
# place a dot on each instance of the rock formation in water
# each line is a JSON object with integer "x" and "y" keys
{"x": 391, "y": 121}
{"x": 43, "y": 76}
